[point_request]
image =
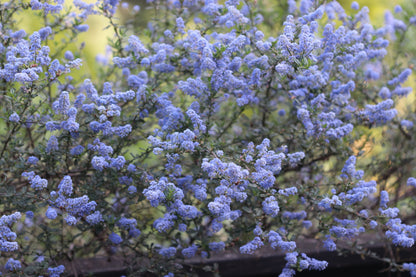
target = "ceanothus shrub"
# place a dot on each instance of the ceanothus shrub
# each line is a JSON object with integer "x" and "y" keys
{"x": 212, "y": 128}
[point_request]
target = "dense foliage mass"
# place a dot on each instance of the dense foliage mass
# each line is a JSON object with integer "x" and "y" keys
{"x": 216, "y": 127}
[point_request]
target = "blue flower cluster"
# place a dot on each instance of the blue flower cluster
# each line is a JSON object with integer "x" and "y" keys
{"x": 36, "y": 182}
{"x": 56, "y": 271}
{"x": 7, "y": 236}
{"x": 205, "y": 130}
{"x": 73, "y": 208}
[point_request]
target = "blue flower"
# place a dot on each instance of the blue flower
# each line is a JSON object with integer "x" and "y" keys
{"x": 270, "y": 206}
{"x": 68, "y": 55}
{"x": 355, "y": 6}
{"x": 36, "y": 182}
{"x": 56, "y": 271}
{"x": 168, "y": 252}
{"x": 329, "y": 244}
{"x": 190, "y": 251}
{"x": 14, "y": 117}
{"x": 12, "y": 265}
{"x": 164, "y": 224}
{"x": 51, "y": 213}
{"x": 251, "y": 246}
{"x": 65, "y": 186}
{"x": 77, "y": 150}
{"x": 94, "y": 218}
{"x": 99, "y": 163}
{"x": 82, "y": 27}
{"x": 406, "y": 124}
{"x": 384, "y": 199}
{"x": 216, "y": 246}
{"x": 115, "y": 238}
{"x": 32, "y": 160}
{"x": 52, "y": 145}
